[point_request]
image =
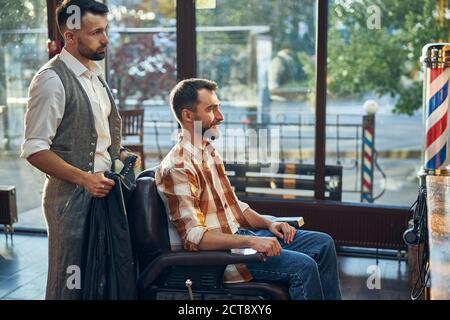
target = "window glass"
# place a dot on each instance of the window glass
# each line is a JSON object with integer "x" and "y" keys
{"x": 374, "y": 50}
{"x": 23, "y": 50}
{"x": 262, "y": 56}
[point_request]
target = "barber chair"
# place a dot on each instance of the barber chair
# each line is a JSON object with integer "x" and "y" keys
{"x": 166, "y": 274}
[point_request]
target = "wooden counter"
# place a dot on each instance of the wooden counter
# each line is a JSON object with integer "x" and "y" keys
{"x": 438, "y": 202}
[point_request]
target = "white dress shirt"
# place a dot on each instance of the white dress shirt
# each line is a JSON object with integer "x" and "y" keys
{"x": 46, "y": 104}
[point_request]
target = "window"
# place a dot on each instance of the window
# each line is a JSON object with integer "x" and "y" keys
{"x": 142, "y": 65}
{"x": 142, "y": 55}
{"x": 374, "y": 53}
{"x": 262, "y": 55}
{"x": 23, "y": 44}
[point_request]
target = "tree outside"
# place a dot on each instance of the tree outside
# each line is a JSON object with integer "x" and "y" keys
{"x": 383, "y": 59}
{"x": 142, "y": 54}
{"x": 143, "y": 67}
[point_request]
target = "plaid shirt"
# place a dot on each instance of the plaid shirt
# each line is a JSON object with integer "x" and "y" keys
{"x": 198, "y": 197}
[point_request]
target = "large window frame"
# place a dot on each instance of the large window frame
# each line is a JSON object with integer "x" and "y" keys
{"x": 186, "y": 68}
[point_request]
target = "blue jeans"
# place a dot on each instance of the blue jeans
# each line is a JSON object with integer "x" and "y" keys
{"x": 308, "y": 264}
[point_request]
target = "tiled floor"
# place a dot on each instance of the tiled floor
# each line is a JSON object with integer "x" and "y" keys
{"x": 23, "y": 268}
{"x": 357, "y": 275}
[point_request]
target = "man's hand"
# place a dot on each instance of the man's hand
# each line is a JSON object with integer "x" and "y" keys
{"x": 267, "y": 245}
{"x": 283, "y": 230}
{"x": 97, "y": 184}
{"x": 124, "y": 154}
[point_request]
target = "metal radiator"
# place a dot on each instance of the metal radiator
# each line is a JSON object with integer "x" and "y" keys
{"x": 349, "y": 224}
{"x": 374, "y": 230}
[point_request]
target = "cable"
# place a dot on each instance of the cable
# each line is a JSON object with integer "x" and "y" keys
{"x": 421, "y": 228}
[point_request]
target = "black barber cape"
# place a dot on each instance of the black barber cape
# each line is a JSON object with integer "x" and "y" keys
{"x": 109, "y": 268}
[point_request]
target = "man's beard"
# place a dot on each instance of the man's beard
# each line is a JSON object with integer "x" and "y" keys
{"x": 89, "y": 54}
{"x": 211, "y": 133}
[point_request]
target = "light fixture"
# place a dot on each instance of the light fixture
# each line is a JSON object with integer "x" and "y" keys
{"x": 370, "y": 107}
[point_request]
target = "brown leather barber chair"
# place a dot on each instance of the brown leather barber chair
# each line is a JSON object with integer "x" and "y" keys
{"x": 167, "y": 274}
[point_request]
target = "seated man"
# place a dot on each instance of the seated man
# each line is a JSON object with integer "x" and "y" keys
{"x": 207, "y": 215}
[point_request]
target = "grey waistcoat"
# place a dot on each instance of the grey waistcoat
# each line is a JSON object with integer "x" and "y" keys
{"x": 66, "y": 205}
{"x": 76, "y": 138}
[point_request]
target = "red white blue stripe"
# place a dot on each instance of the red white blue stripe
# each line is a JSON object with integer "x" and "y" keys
{"x": 367, "y": 177}
{"x": 437, "y": 119}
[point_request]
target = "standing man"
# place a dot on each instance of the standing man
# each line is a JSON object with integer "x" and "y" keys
{"x": 73, "y": 134}
{"x": 207, "y": 215}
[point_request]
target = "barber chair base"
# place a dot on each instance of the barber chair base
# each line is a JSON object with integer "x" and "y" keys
{"x": 237, "y": 291}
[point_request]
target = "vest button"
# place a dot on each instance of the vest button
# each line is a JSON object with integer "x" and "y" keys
{"x": 91, "y": 153}
{"x": 90, "y": 164}
{"x": 92, "y": 143}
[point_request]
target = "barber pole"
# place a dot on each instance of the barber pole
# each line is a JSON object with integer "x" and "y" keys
{"x": 436, "y": 102}
{"x": 431, "y": 215}
{"x": 436, "y": 145}
{"x": 367, "y": 158}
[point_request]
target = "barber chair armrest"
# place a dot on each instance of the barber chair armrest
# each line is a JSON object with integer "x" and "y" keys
{"x": 296, "y": 222}
{"x": 193, "y": 258}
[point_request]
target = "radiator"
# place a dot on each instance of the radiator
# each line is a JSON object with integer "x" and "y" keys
{"x": 349, "y": 224}
{"x": 374, "y": 230}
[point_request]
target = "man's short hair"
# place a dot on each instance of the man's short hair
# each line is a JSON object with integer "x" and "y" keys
{"x": 85, "y": 6}
{"x": 185, "y": 94}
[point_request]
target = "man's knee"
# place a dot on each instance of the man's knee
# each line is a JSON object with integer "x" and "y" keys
{"x": 308, "y": 266}
{"x": 296, "y": 262}
{"x": 325, "y": 239}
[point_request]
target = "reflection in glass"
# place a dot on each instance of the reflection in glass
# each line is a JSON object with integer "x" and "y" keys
{"x": 142, "y": 51}
{"x": 23, "y": 44}
{"x": 259, "y": 53}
